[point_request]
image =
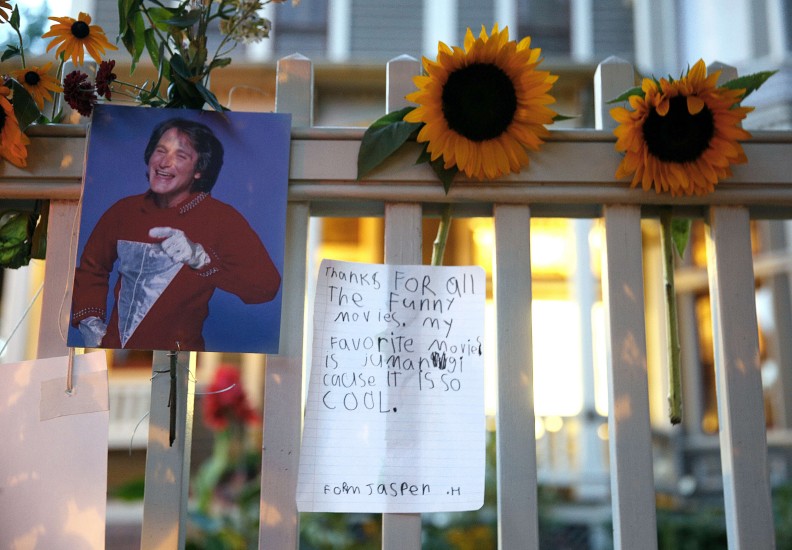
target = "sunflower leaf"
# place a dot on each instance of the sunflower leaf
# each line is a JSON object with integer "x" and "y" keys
{"x": 627, "y": 95}
{"x": 750, "y": 82}
{"x": 559, "y": 117}
{"x": 383, "y": 138}
{"x": 680, "y": 234}
{"x": 446, "y": 175}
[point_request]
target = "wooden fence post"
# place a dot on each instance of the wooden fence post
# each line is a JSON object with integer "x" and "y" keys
{"x": 518, "y": 519}
{"x": 738, "y": 380}
{"x": 629, "y": 430}
{"x": 282, "y": 420}
{"x": 403, "y": 242}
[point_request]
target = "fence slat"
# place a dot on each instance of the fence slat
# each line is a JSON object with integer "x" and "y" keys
{"x": 518, "y": 524}
{"x": 168, "y": 468}
{"x": 632, "y": 480}
{"x": 282, "y": 420}
{"x": 56, "y": 297}
{"x": 403, "y": 243}
{"x": 743, "y": 440}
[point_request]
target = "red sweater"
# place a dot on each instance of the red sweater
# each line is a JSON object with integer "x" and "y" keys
{"x": 239, "y": 264}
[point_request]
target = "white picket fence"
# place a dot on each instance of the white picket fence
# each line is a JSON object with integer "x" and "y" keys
{"x": 572, "y": 176}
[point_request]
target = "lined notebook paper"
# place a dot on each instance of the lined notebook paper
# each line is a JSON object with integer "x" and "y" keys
{"x": 394, "y": 419}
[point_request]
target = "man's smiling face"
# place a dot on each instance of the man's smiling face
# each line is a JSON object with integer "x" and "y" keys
{"x": 171, "y": 168}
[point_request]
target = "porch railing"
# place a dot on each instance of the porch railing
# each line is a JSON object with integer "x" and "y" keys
{"x": 572, "y": 176}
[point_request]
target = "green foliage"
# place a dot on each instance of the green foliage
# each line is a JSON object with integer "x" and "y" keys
{"x": 16, "y": 236}
{"x": 173, "y": 36}
{"x": 628, "y": 94}
{"x": 25, "y": 108}
{"x": 445, "y": 175}
{"x": 750, "y": 83}
{"x": 132, "y": 491}
{"x": 680, "y": 234}
{"x": 383, "y": 138}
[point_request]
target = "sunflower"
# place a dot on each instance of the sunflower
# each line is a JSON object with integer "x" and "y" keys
{"x": 483, "y": 105}
{"x": 74, "y": 34}
{"x": 681, "y": 136}
{"x": 38, "y": 83}
{"x": 13, "y": 143}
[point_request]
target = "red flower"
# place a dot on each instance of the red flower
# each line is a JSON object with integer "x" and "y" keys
{"x": 79, "y": 93}
{"x": 104, "y": 78}
{"x": 221, "y": 408}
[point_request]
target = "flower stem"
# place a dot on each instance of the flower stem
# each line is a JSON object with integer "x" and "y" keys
{"x": 439, "y": 245}
{"x": 21, "y": 48}
{"x": 672, "y": 324}
{"x": 59, "y": 79}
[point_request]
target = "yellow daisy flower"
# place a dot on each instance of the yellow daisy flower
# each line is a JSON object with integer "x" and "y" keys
{"x": 483, "y": 105}
{"x": 681, "y": 136}
{"x": 13, "y": 143}
{"x": 5, "y": 10}
{"x": 74, "y": 36}
{"x": 38, "y": 83}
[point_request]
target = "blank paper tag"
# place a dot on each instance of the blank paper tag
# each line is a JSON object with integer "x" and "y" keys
{"x": 89, "y": 394}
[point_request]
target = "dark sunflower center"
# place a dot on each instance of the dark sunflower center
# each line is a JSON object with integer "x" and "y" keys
{"x": 32, "y": 78}
{"x": 678, "y": 136}
{"x": 80, "y": 29}
{"x": 479, "y": 101}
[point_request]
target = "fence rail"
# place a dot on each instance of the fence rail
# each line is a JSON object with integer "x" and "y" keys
{"x": 572, "y": 176}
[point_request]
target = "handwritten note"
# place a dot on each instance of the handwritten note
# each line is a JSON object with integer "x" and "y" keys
{"x": 394, "y": 418}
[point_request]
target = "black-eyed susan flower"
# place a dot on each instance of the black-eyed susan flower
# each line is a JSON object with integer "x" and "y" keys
{"x": 38, "y": 83}
{"x": 484, "y": 105}
{"x": 13, "y": 143}
{"x": 74, "y": 36}
{"x": 681, "y": 136}
{"x": 5, "y": 11}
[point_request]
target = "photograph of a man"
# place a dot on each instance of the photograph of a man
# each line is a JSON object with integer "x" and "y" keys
{"x": 169, "y": 265}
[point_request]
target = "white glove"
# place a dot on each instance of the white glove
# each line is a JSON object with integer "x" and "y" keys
{"x": 93, "y": 330}
{"x": 179, "y": 247}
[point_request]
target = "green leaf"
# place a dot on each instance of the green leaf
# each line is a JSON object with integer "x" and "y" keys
{"x": 160, "y": 17}
{"x": 10, "y": 51}
{"x": 25, "y": 108}
{"x": 680, "y": 234}
{"x": 152, "y": 46}
{"x": 15, "y": 239}
{"x": 219, "y": 63}
{"x": 184, "y": 21}
{"x": 14, "y": 21}
{"x": 209, "y": 97}
{"x": 383, "y": 138}
{"x": 40, "y": 221}
{"x": 179, "y": 67}
{"x": 560, "y": 117}
{"x": 628, "y": 94}
{"x": 445, "y": 175}
{"x": 750, "y": 82}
